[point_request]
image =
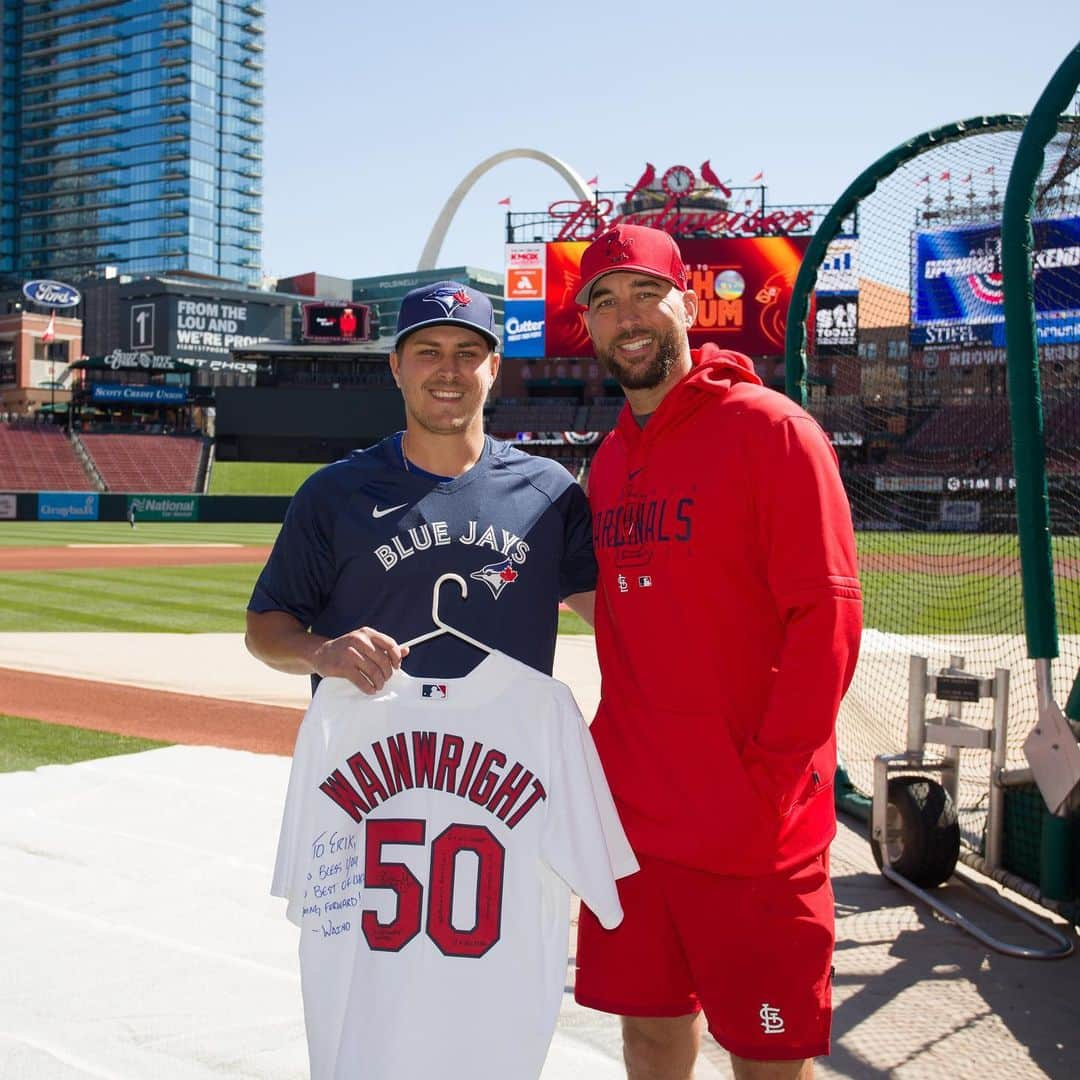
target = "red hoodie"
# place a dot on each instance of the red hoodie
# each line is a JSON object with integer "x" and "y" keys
{"x": 727, "y": 622}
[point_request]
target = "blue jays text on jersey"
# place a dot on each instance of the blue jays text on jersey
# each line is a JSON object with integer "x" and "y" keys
{"x": 437, "y": 533}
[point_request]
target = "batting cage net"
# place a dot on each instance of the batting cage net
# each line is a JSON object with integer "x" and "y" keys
{"x": 906, "y": 372}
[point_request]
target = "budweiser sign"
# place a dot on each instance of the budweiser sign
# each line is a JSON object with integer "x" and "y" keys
{"x": 586, "y": 220}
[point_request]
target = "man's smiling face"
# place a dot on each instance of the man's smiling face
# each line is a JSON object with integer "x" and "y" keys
{"x": 638, "y": 327}
{"x": 445, "y": 373}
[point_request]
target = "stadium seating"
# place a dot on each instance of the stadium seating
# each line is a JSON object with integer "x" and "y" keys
{"x": 976, "y": 425}
{"x": 38, "y": 457}
{"x": 159, "y": 463}
{"x": 541, "y": 415}
{"x": 1062, "y": 423}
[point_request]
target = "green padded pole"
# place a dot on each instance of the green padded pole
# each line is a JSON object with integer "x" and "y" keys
{"x": 1022, "y": 359}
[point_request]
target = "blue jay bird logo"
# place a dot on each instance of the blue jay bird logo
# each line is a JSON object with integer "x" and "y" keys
{"x": 449, "y": 299}
{"x": 496, "y": 576}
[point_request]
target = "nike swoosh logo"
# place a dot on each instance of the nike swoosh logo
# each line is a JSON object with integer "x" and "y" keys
{"x": 376, "y": 512}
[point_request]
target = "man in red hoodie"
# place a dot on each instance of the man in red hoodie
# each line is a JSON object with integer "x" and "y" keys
{"x": 728, "y": 615}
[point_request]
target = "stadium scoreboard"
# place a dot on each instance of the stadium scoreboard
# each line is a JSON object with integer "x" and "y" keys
{"x": 336, "y": 322}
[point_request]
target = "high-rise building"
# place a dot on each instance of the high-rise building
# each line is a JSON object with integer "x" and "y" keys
{"x": 132, "y": 138}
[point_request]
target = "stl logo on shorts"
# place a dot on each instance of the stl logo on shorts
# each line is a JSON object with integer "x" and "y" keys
{"x": 772, "y": 1023}
{"x": 433, "y": 690}
{"x": 496, "y": 576}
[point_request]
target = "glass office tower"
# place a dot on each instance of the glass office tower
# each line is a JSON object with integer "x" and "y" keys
{"x": 132, "y": 138}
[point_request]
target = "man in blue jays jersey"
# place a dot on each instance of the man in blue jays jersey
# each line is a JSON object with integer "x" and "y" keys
{"x": 352, "y": 571}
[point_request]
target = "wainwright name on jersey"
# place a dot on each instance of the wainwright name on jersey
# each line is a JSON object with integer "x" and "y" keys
{"x": 431, "y": 836}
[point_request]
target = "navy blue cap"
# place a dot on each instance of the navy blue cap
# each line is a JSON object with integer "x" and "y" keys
{"x": 446, "y": 303}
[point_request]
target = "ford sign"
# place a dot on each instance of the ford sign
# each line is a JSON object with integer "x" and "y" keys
{"x": 51, "y": 293}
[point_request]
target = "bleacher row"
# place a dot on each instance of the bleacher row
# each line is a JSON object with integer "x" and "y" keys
{"x": 981, "y": 427}
{"x": 40, "y": 457}
{"x": 511, "y": 416}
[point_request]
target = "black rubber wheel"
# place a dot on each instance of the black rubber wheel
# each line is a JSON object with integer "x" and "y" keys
{"x": 922, "y": 834}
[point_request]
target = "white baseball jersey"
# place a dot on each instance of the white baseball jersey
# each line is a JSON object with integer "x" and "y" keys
{"x": 431, "y": 835}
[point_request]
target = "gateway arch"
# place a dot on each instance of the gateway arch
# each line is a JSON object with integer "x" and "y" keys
{"x": 435, "y": 239}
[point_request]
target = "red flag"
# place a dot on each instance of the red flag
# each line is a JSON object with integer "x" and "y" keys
{"x": 946, "y": 176}
{"x": 593, "y": 181}
{"x": 49, "y": 334}
{"x": 757, "y": 176}
{"x": 505, "y": 202}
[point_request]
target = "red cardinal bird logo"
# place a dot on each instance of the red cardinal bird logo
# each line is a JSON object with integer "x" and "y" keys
{"x": 644, "y": 181}
{"x": 713, "y": 180}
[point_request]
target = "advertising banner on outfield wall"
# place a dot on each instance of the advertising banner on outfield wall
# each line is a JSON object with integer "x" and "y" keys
{"x": 523, "y": 328}
{"x": 836, "y": 324}
{"x": 839, "y": 272}
{"x": 8, "y": 507}
{"x": 957, "y": 285}
{"x": 743, "y": 285}
{"x": 525, "y": 266}
{"x": 123, "y": 394}
{"x": 164, "y": 507}
{"x": 67, "y": 506}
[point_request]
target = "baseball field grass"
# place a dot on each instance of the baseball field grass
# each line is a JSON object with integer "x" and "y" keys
{"x": 259, "y": 477}
{"x": 26, "y": 744}
{"x": 148, "y": 599}
{"x": 64, "y": 534}
{"x": 963, "y": 596}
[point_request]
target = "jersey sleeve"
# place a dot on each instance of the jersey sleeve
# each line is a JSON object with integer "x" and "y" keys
{"x": 578, "y": 570}
{"x": 299, "y": 575}
{"x": 289, "y": 866}
{"x": 583, "y": 840}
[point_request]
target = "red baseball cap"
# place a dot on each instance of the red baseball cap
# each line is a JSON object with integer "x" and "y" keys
{"x": 631, "y": 247}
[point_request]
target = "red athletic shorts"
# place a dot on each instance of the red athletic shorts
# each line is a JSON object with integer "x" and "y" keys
{"x": 754, "y": 953}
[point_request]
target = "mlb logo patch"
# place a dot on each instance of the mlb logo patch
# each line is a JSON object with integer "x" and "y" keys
{"x": 644, "y": 582}
{"x": 433, "y": 690}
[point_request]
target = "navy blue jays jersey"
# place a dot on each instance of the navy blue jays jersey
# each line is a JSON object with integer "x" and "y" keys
{"x": 364, "y": 540}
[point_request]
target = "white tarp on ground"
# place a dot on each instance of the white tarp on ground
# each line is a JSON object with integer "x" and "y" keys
{"x": 139, "y": 941}
{"x": 138, "y": 935}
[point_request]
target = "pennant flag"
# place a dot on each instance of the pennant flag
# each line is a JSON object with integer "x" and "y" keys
{"x": 757, "y": 176}
{"x": 967, "y": 179}
{"x": 505, "y": 202}
{"x": 593, "y": 181}
{"x": 924, "y": 180}
{"x": 49, "y": 333}
{"x": 990, "y": 169}
{"x": 946, "y": 176}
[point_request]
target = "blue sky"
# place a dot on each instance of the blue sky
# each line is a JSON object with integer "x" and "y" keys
{"x": 375, "y": 111}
